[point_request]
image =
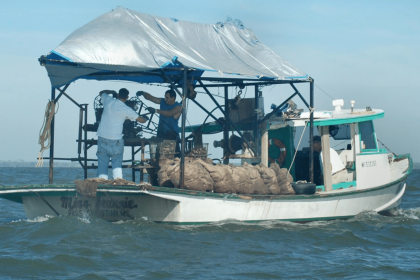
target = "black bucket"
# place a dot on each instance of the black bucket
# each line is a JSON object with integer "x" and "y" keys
{"x": 304, "y": 188}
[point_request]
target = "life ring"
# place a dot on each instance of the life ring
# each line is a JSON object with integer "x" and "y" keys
{"x": 277, "y": 151}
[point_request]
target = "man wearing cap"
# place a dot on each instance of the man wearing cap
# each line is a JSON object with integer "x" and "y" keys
{"x": 110, "y": 142}
{"x": 338, "y": 170}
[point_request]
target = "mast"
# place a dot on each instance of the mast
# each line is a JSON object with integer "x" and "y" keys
{"x": 311, "y": 130}
{"x": 51, "y": 173}
{"x": 184, "y": 117}
{"x": 226, "y": 128}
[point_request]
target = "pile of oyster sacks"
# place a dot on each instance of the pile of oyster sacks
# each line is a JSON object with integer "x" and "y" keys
{"x": 245, "y": 179}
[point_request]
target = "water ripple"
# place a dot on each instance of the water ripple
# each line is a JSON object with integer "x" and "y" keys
{"x": 368, "y": 246}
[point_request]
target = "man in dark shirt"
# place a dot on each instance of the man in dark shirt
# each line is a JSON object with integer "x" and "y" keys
{"x": 169, "y": 112}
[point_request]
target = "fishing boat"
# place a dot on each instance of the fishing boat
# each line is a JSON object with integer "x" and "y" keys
{"x": 131, "y": 46}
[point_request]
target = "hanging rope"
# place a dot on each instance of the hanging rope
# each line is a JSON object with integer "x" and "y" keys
{"x": 325, "y": 92}
{"x": 340, "y": 143}
{"x": 45, "y": 131}
{"x": 300, "y": 140}
{"x": 387, "y": 148}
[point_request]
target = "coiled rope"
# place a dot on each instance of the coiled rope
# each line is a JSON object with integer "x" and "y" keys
{"x": 45, "y": 131}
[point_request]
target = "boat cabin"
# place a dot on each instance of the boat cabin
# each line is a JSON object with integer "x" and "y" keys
{"x": 350, "y": 129}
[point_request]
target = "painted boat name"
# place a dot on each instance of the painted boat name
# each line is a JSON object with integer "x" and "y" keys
{"x": 371, "y": 163}
{"x": 68, "y": 203}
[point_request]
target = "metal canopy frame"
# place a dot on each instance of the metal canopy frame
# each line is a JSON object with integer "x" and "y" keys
{"x": 172, "y": 80}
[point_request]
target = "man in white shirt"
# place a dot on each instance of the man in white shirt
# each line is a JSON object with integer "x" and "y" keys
{"x": 339, "y": 171}
{"x": 110, "y": 142}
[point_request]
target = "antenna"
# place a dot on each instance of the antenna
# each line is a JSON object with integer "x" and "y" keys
{"x": 352, "y": 105}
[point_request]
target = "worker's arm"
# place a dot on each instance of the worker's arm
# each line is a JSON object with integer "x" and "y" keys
{"x": 149, "y": 97}
{"x": 174, "y": 112}
{"x": 141, "y": 119}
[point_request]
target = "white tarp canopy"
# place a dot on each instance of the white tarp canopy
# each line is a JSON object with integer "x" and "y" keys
{"x": 121, "y": 43}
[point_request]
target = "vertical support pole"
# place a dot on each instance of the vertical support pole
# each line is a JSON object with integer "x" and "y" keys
{"x": 142, "y": 175}
{"x": 142, "y": 161}
{"x": 51, "y": 173}
{"x": 264, "y": 147}
{"x": 354, "y": 139}
{"x": 79, "y": 142}
{"x": 226, "y": 128}
{"x": 326, "y": 161}
{"x": 311, "y": 131}
{"x": 85, "y": 109}
{"x": 133, "y": 170}
{"x": 184, "y": 117}
{"x": 256, "y": 130}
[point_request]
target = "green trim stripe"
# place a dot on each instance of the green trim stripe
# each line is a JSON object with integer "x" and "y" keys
{"x": 343, "y": 185}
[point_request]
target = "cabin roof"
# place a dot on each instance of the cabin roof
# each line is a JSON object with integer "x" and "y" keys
{"x": 326, "y": 118}
{"x": 127, "y": 45}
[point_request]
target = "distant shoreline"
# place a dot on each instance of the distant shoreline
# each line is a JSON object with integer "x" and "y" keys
{"x": 33, "y": 164}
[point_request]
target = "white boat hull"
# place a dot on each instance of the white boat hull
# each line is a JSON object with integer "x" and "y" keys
{"x": 177, "y": 206}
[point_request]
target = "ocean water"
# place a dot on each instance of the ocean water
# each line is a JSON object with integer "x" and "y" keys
{"x": 369, "y": 246}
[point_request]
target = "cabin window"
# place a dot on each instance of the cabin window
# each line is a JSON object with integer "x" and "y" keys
{"x": 340, "y": 132}
{"x": 367, "y": 136}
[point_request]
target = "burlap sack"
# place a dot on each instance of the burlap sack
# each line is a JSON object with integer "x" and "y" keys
{"x": 221, "y": 175}
{"x": 284, "y": 179}
{"x": 255, "y": 179}
{"x": 163, "y": 178}
{"x": 241, "y": 181}
{"x": 196, "y": 176}
{"x": 86, "y": 188}
{"x": 165, "y": 172}
{"x": 165, "y": 161}
{"x": 268, "y": 179}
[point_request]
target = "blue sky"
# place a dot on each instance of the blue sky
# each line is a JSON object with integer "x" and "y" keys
{"x": 366, "y": 51}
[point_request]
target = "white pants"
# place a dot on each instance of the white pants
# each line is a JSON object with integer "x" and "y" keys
{"x": 116, "y": 174}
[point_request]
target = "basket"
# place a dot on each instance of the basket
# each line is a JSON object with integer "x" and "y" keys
{"x": 199, "y": 151}
{"x": 167, "y": 149}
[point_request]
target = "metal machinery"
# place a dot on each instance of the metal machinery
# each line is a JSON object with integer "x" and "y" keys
{"x": 228, "y": 49}
{"x": 131, "y": 129}
{"x": 244, "y": 121}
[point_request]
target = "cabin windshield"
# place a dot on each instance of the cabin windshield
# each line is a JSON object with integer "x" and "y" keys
{"x": 367, "y": 136}
{"x": 340, "y": 132}
{"x": 338, "y": 136}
